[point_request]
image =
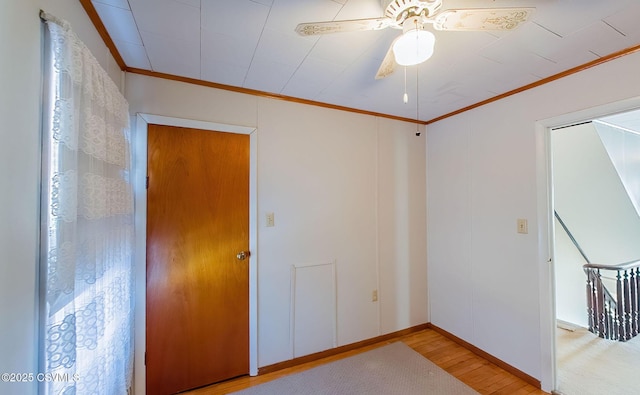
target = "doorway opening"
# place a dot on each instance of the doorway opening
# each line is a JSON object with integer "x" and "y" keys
{"x": 592, "y": 214}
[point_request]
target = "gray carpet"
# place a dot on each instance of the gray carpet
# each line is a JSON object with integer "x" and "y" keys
{"x": 391, "y": 369}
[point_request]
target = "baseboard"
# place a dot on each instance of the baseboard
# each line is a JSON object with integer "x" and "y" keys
{"x": 389, "y": 336}
{"x": 568, "y": 326}
{"x": 496, "y": 361}
{"x": 341, "y": 349}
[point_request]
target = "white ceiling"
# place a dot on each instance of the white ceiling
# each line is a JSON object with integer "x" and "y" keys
{"x": 252, "y": 44}
{"x": 626, "y": 120}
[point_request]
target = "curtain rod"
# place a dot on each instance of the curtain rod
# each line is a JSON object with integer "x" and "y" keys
{"x": 45, "y": 16}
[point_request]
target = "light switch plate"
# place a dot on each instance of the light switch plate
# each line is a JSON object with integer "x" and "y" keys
{"x": 523, "y": 226}
{"x": 271, "y": 221}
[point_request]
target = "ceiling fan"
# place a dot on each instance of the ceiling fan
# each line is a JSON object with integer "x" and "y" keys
{"x": 415, "y": 45}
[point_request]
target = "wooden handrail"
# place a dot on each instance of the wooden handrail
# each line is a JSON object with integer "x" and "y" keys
{"x": 620, "y": 266}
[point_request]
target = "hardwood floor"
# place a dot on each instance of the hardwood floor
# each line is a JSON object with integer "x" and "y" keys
{"x": 475, "y": 371}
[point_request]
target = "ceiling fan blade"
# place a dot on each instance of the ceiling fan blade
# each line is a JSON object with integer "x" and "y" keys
{"x": 388, "y": 65}
{"x": 482, "y": 19}
{"x": 353, "y": 25}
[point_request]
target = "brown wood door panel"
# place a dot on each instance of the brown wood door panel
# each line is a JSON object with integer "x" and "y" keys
{"x": 197, "y": 290}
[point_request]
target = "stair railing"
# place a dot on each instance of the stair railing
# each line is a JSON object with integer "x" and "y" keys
{"x": 614, "y": 317}
{"x": 610, "y": 317}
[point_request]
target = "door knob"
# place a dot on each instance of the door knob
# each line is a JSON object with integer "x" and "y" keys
{"x": 243, "y": 255}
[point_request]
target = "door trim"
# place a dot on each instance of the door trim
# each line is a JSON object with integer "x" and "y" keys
{"x": 139, "y": 139}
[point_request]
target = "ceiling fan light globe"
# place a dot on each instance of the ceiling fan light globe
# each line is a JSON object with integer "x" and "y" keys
{"x": 413, "y": 47}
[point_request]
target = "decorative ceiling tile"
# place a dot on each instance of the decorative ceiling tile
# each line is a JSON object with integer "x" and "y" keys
{"x": 227, "y": 49}
{"x": 282, "y": 48}
{"x": 278, "y": 75}
{"x": 134, "y": 55}
{"x": 537, "y": 39}
{"x": 568, "y": 16}
{"x": 124, "y": 4}
{"x": 345, "y": 48}
{"x": 626, "y": 22}
{"x": 264, "y": 2}
{"x": 192, "y": 3}
{"x": 599, "y": 38}
{"x": 223, "y": 71}
{"x": 239, "y": 18}
{"x": 311, "y": 78}
{"x": 360, "y": 9}
{"x": 184, "y": 60}
{"x": 285, "y": 15}
{"x": 167, "y": 18}
{"x": 253, "y": 44}
{"x": 628, "y": 120}
{"x": 120, "y": 21}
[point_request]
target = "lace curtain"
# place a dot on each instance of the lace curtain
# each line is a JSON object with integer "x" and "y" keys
{"x": 87, "y": 223}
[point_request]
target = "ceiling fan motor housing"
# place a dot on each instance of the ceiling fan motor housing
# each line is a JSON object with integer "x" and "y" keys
{"x": 399, "y": 10}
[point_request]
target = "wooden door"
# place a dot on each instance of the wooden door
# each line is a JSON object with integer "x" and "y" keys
{"x": 197, "y": 329}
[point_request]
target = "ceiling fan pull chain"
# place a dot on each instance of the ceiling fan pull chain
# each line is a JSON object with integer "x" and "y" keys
{"x": 405, "y": 98}
{"x": 417, "y": 100}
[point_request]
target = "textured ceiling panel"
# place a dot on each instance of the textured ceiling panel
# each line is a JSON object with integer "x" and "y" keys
{"x": 626, "y": 22}
{"x": 599, "y": 38}
{"x": 359, "y": 9}
{"x": 227, "y": 48}
{"x": 185, "y": 55}
{"x": 222, "y": 72}
{"x": 282, "y": 48}
{"x": 192, "y": 3}
{"x": 268, "y": 75}
{"x": 284, "y": 15}
{"x": 239, "y": 18}
{"x": 253, "y": 44}
{"x": 564, "y": 17}
{"x": 311, "y": 78}
{"x": 628, "y": 120}
{"x": 167, "y": 18}
{"x": 124, "y": 4}
{"x": 134, "y": 55}
{"x": 120, "y": 21}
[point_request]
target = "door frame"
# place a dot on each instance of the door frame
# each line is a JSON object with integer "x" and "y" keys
{"x": 546, "y": 243}
{"x": 139, "y": 139}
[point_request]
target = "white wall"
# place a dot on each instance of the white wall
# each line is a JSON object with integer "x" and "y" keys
{"x": 484, "y": 278}
{"x": 344, "y": 162}
{"x": 19, "y": 115}
{"x": 402, "y": 219}
{"x": 570, "y": 280}
{"x": 590, "y": 197}
{"x": 343, "y": 187}
{"x": 624, "y": 149}
{"x": 20, "y": 75}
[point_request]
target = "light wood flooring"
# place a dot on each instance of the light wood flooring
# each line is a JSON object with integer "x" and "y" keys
{"x": 589, "y": 365}
{"x": 475, "y": 371}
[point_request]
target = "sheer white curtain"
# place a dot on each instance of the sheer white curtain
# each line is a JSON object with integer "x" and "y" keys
{"x": 87, "y": 223}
